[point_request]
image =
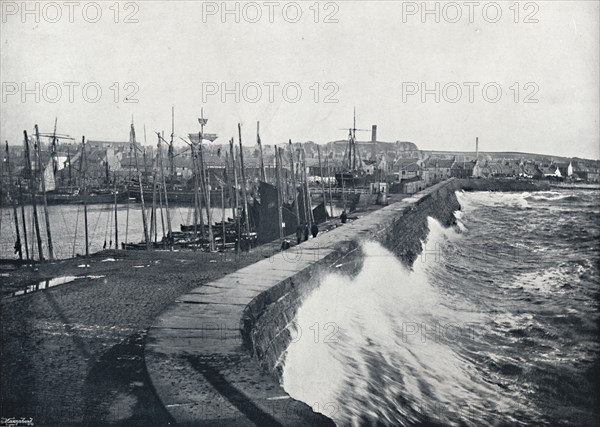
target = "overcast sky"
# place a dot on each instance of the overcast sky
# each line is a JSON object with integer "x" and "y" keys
{"x": 375, "y": 57}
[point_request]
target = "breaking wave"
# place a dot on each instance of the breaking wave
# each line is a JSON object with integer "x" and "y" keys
{"x": 392, "y": 329}
{"x": 486, "y": 328}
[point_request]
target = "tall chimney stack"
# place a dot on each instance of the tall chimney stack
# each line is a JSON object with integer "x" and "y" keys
{"x": 476, "y": 147}
{"x": 374, "y": 133}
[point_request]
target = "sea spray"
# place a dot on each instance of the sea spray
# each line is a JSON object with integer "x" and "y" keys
{"x": 378, "y": 347}
{"x": 495, "y": 323}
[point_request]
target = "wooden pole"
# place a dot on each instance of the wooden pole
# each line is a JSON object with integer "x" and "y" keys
{"x": 226, "y": 177}
{"x": 329, "y": 181}
{"x": 195, "y": 208}
{"x": 154, "y": 224}
{"x": 33, "y": 202}
{"x": 239, "y": 220}
{"x": 70, "y": 170}
{"x": 12, "y": 195}
{"x": 196, "y": 197}
{"x": 23, "y": 220}
{"x": 199, "y": 178}
{"x": 85, "y": 194}
{"x": 228, "y": 185}
{"x": 127, "y": 206}
{"x": 162, "y": 174}
{"x": 279, "y": 191}
{"x": 139, "y": 174}
{"x": 116, "y": 214}
{"x": 235, "y": 187}
{"x": 302, "y": 185}
{"x": 343, "y": 192}
{"x": 294, "y": 189}
{"x": 285, "y": 176}
{"x": 223, "y": 216}
{"x": 263, "y": 174}
{"x": 43, "y": 181}
{"x": 33, "y": 240}
{"x": 106, "y": 171}
{"x": 321, "y": 173}
{"x": 206, "y": 191}
{"x": 53, "y": 151}
{"x": 307, "y": 191}
{"x": 245, "y": 206}
{"x": 235, "y": 180}
{"x": 2, "y": 160}
{"x": 147, "y": 175}
{"x": 162, "y": 215}
{"x": 170, "y": 152}
{"x": 158, "y": 187}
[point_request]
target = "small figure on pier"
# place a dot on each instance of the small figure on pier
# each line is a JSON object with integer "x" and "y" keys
{"x": 18, "y": 246}
{"x": 344, "y": 217}
{"x": 314, "y": 230}
{"x": 306, "y": 233}
{"x": 299, "y": 232}
{"x": 285, "y": 245}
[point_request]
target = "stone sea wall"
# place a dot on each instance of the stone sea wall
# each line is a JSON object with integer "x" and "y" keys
{"x": 268, "y": 323}
{"x": 216, "y": 355}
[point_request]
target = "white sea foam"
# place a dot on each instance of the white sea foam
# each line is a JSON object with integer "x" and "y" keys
{"x": 387, "y": 327}
{"x": 473, "y": 200}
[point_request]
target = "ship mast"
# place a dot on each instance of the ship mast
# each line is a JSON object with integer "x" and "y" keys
{"x": 12, "y": 196}
{"x": 352, "y": 150}
{"x": 139, "y": 174}
{"x": 43, "y": 182}
{"x": 164, "y": 185}
{"x": 244, "y": 194}
{"x": 83, "y": 169}
{"x": 263, "y": 175}
{"x": 205, "y": 181}
{"x": 353, "y": 139}
{"x": 33, "y": 202}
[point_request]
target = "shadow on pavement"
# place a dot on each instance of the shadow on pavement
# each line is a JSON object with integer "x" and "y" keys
{"x": 118, "y": 390}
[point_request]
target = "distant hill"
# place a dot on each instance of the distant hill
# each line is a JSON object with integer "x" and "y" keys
{"x": 499, "y": 155}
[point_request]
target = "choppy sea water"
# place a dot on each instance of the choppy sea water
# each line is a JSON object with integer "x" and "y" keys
{"x": 496, "y": 323}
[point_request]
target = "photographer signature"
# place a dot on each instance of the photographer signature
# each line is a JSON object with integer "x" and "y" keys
{"x": 12, "y": 421}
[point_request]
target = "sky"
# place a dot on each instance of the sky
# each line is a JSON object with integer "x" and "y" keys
{"x": 520, "y": 76}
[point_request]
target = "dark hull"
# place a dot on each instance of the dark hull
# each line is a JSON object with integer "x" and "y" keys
{"x": 217, "y": 228}
{"x": 187, "y": 240}
{"x": 185, "y": 198}
{"x": 77, "y": 199}
{"x": 349, "y": 180}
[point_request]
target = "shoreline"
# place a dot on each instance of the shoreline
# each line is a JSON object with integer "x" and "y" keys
{"x": 74, "y": 353}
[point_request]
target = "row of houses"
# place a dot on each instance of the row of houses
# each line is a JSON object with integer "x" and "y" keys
{"x": 391, "y": 162}
{"x": 417, "y": 173}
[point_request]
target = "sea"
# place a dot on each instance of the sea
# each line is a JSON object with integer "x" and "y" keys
{"x": 495, "y": 324}
{"x": 67, "y": 227}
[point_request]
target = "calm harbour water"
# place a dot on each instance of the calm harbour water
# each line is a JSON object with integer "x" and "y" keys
{"x": 496, "y": 324}
{"x": 68, "y": 230}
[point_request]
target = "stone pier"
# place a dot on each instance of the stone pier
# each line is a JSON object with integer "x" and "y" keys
{"x": 216, "y": 355}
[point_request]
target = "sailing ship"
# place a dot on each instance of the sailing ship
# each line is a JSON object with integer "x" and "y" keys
{"x": 203, "y": 233}
{"x": 353, "y": 174}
